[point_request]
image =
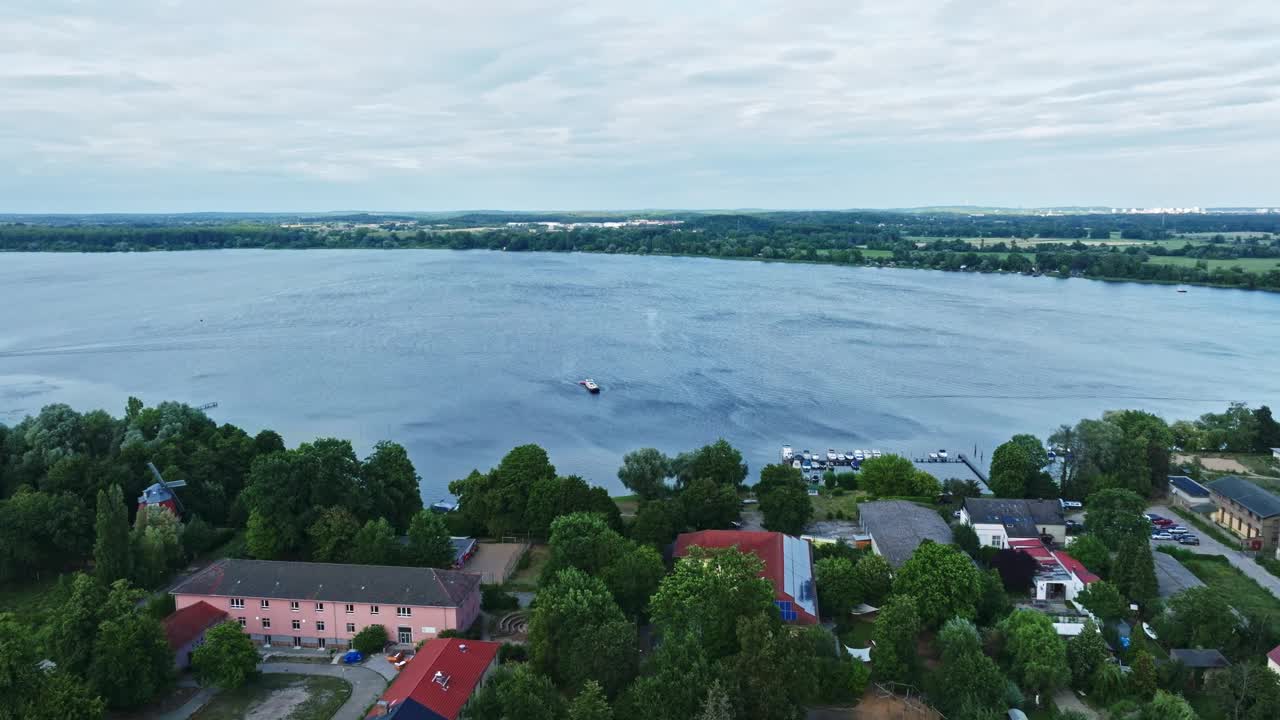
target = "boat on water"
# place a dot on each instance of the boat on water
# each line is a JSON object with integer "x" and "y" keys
{"x": 875, "y": 453}
{"x": 1182, "y": 289}
{"x": 933, "y": 457}
{"x": 831, "y": 455}
{"x": 942, "y": 455}
{"x": 787, "y": 453}
{"x": 590, "y": 385}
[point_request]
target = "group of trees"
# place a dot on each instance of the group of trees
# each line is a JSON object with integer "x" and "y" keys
{"x": 696, "y": 490}
{"x": 1125, "y": 449}
{"x": 1018, "y": 470}
{"x": 523, "y": 495}
{"x": 894, "y": 476}
{"x": 1238, "y": 429}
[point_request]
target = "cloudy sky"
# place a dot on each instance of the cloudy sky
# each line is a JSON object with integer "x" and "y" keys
{"x": 170, "y": 105}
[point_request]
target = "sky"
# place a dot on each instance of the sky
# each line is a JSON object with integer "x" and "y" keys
{"x": 311, "y": 105}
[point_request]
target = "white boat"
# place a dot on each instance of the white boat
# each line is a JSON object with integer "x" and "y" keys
{"x": 807, "y": 455}
{"x": 842, "y": 458}
{"x": 831, "y": 455}
{"x": 796, "y": 463}
{"x": 933, "y": 457}
{"x": 786, "y": 452}
{"x": 942, "y": 455}
{"x": 875, "y": 453}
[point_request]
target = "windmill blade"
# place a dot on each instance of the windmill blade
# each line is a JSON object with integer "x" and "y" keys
{"x": 156, "y": 473}
{"x": 175, "y": 483}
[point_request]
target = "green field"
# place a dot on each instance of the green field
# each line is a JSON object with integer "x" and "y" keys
{"x": 1234, "y": 587}
{"x": 826, "y": 503}
{"x": 289, "y": 697}
{"x": 1248, "y": 264}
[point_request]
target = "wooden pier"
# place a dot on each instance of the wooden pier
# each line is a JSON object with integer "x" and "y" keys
{"x": 976, "y": 471}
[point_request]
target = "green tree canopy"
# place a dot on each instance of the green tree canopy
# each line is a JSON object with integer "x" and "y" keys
{"x": 1167, "y": 706}
{"x": 874, "y": 578}
{"x": 112, "y": 556}
{"x": 1086, "y": 653}
{"x": 890, "y": 475}
{"x": 786, "y": 508}
{"x": 893, "y": 649}
{"x": 1012, "y": 471}
{"x": 391, "y": 485}
{"x": 590, "y": 704}
{"x": 838, "y": 588}
{"x": 708, "y": 505}
{"x": 772, "y": 669}
{"x": 1135, "y": 572}
{"x": 658, "y": 522}
{"x": 376, "y": 544}
{"x": 371, "y": 639}
{"x": 943, "y": 581}
{"x": 429, "y": 541}
{"x": 516, "y": 693}
{"x": 1115, "y": 515}
{"x": 1038, "y": 657}
{"x": 578, "y": 633}
{"x": 227, "y": 658}
{"x": 1143, "y": 680}
{"x": 1198, "y": 618}
{"x": 969, "y": 683}
{"x": 1103, "y": 599}
{"x": 645, "y": 472}
{"x": 718, "y": 462}
{"x": 706, "y": 593}
{"x": 30, "y": 692}
{"x": 332, "y": 535}
{"x": 1092, "y": 552}
{"x": 137, "y": 642}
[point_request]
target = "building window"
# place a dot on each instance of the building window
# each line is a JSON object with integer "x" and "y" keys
{"x": 402, "y": 612}
{"x": 321, "y": 642}
{"x": 351, "y": 627}
{"x": 297, "y": 641}
{"x": 241, "y": 621}
{"x": 266, "y": 623}
{"x": 997, "y": 541}
{"x": 293, "y": 606}
{"x": 297, "y": 624}
{"x": 237, "y": 603}
{"x": 264, "y": 604}
{"x": 319, "y": 626}
{"x": 350, "y": 609}
{"x": 319, "y": 607}
{"x": 373, "y": 609}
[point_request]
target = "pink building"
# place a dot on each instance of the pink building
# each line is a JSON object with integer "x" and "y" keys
{"x": 323, "y": 605}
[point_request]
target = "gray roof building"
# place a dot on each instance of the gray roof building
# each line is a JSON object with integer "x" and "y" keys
{"x": 1172, "y": 577}
{"x": 897, "y": 527}
{"x": 1188, "y": 486}
{"x": 1199, "y": 659}
{"x": 333, "y": 582}
{"x": 1247, "y": 495}
{"x": 1020, "y": 518}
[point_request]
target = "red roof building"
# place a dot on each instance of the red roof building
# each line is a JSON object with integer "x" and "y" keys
{"x": 1075, "y": 567}
{"x": 185, "y": 629}
{"x": 1273, "y": 659}
{"x": 788, "y": 565}
{"x": 438, "y": 681}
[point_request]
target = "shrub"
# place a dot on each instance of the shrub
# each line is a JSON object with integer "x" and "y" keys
{"x": 370, "y": 640}
{"x": 494, "y": 599}
{"x": 512, "y": 652}
{"x": 160, "y": 606}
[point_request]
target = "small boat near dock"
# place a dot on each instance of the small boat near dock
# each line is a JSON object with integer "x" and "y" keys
{"x": 590, "y": 385}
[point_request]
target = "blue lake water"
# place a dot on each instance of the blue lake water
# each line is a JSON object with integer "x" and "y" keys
{"x": 462, "y": 355}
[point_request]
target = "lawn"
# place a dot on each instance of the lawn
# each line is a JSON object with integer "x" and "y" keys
{"x": 627, "y": 504}
{"x": 1248, "y": 264}
{"x": 857, "y": 634}
{"x": 1234, "y": 587}
{"x": 275, "y": 695}
{"x": 826, "y": 504}
{"x": 530, "y": 569}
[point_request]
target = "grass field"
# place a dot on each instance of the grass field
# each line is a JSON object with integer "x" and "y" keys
{"x": 627, "y": 504}
{"x": 288, "y": 697}
{"x": 526, "y": 578}
{"x": 1234, "y": 587}
{"x": 1247, "y": 264}
{"x": 826, "y": 503}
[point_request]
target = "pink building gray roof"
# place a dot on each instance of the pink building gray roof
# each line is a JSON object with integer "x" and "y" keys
{"x": 333, "y": 582}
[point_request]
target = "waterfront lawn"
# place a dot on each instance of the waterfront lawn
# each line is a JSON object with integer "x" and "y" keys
{"x": 1257, "y": 265}
{"x": 826, "y": 504}
{"x": 277, "y": 695}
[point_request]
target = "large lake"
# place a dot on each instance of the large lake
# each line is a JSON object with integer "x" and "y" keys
{"x": 462, "y": 355}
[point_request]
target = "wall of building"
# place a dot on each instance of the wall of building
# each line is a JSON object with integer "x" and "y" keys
{"x": 1244, "y": 524}
{"x": 182, "y": 656}
{"x": 423, "y": 622}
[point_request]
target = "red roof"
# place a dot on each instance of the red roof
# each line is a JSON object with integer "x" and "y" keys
{"x": 768, "y": 546}
{"x": 187, "y": 624}
{"x": 461, "y": 663}
{"x": 1034, "y": 548}
{"x": 1274, "y": 655}
{"x": 1076, "y": 567}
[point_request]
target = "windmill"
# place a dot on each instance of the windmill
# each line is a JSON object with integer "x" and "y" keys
{"x": 161, "y": 492}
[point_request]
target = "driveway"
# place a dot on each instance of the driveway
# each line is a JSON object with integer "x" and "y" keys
{"x": 366, "y": 685}
{"x": 1210, "y": 546}
{"x": 1066, "y": 700}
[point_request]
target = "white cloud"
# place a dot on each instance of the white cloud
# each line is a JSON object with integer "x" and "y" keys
{"x": 139, "y": 105}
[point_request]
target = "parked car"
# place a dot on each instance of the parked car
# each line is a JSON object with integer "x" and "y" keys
{"x": 1176, "y": 529}
{"x": 1164, "y": 523}
{"x": 1071, "y": 504}
{"x": 1189, "y": 540}
{"x": 1162, "y": 536}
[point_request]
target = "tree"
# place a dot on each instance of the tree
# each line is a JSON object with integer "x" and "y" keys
{"x": 772, "y": 669}
{"x": 706, "y": 593}
{"x": 1086, "y": 653}
{"x": 674, "y": 685}
{"x": 966, "y": 538}
{"x": 1092, "y": 553}
{"x": 584, "y": 541}
{"x": 893, "y": 649}
{"x": 1167, "y": 706}
{"x": 429, "y": 542}
{"x": 838, "y": 588}
{"x": 1198, "y": 618}
{"x": 1012, "y": 470}
{"x": 590, "y": 704}
{"x": 516, "y": 693}
{"x": 633, "y": 577}
{"x": 371, "y": 639}
{"x": 1268, "y": 435}
{"x": 391, "y": 484}
{"x": 1017, "y": 569}
{"x": 137, "y": 642}
{"x": 1246, "y": 691}
{"x": 888, "y": 475}
{"x": 776, "y": 476}
{"x": 31, "y": 692}
{"x": 157, "y": 545}
{"x": 718, "y": 462}
{"x": 1038, "y": 657}
{"x": 1143, "y": 677}
{"x": 969, "y": 683}
{"x": 227, "y": 658}
{"x": 943, "y": 581}
{"x": 1135, "y": 572}
{"x": 992, "y": 604}
{"x": 658, "y": 522}
{"x": 262, "y": 538}
{"x": 709, "y": 506}
{"x": 75, "y": 625}
{"x": 332, "y": 535}
{"x": 645, "y": 472}
{"x": 376, "y": 544}
{"x": 40, "y": 531}
{"x": 717, "y": 705}
{"x": 111, "y": 552}
{"x": 874, "y": 579}
{"x": 1103, "y": 599}
{"x": 960, "y": 488}
{"x": 786, "y": 508}
{"x": 1115, "y": 515}
{"x": 549, "y": 498}
{"x": 1145, "y": 451}
{"x": 578, "y": 633}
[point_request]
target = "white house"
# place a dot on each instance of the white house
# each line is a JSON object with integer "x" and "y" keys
{"x": 999, "y": 520}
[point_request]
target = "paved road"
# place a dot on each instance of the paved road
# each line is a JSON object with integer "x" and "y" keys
{"x": 1209, "y": 546}
{"x": 366, "y": 685}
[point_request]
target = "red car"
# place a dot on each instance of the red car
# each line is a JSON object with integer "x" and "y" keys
{"x": 1163, "y": 522}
